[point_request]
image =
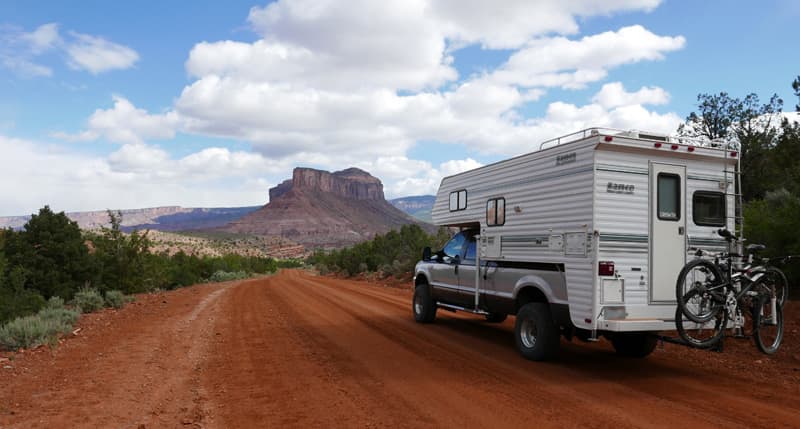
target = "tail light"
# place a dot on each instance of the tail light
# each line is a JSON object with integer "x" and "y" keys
{"x": 605, "y": 268}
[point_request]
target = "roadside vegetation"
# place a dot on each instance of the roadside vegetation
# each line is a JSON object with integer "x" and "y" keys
{"x": 393, "y": 253}
{"x": 52, "y": 262}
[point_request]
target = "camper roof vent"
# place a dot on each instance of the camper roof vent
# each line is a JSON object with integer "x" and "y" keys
{"x": 653, "y": 137}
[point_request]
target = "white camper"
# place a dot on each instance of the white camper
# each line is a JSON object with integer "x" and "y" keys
{"x": 595, "y": 225}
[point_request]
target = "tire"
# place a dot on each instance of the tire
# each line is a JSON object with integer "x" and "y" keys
{"x": 634, "y": 344}
{"x": 536, "y": 335}
{"x": 767, "y": 333}
{"x": 423, "y": 305}
{"x": 699, "y": 291}
{"x": 703, "y": 335}
{"x": 774, "y": 280}
{"x": 496, "y": 317}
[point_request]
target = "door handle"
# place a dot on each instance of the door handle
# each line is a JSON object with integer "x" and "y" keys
{"x": 681, "y": 230}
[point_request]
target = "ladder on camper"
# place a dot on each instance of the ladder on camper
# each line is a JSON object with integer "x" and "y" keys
{"x": 733, "y": 188}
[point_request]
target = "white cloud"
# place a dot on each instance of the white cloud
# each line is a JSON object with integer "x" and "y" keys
{"x": 20, "y": 51}
{"x": 44, "y": 38}
{"x": 559, "y": 61}
{"x": 124, "y": 123}
{"x": 614, "y": 95}
{"x": 97, "y": 55}
{"x": 365, "y": 44}
{"x": 135, "y": 176}
{"x": 517, "y": 21}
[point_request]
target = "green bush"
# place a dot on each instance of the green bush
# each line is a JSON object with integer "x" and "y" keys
{"x": 64, "y": 316}
{"x": 393, "y": 253}
{"x": 42, "y": 328}
{"x": 88, "y": 300}
{"x": 116, "y": 299}
{"x": 55, "y": 302}
{"x": 224, "y": 276}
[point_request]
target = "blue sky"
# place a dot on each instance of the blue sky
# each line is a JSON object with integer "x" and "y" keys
{"x": 125, "y": 105}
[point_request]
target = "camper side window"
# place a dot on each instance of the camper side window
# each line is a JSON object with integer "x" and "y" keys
{"x": 669, "y": 196}
{"x": 708, "y": 208}
{"x": 496, "y": 212}
{"x": 458, "y": 200}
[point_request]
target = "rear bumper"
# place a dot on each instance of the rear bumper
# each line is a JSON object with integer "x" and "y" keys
{"x": 636, "y": 325}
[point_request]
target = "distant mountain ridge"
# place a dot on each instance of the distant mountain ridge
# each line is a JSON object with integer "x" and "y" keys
{"x": 419, "y": 206}
{"x": 168, "y": 218}
{"x": 320, "y": 209}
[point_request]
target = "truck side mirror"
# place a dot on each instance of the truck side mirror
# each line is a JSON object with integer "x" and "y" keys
{"x": 426, "y": 254}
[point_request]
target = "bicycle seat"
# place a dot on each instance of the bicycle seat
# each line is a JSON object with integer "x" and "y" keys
{"x": 755, "y": 247}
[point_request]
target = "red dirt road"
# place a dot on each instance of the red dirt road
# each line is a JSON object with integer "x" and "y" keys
{"x": 305, "y": 351}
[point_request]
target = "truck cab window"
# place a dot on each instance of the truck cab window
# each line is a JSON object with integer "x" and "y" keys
{"x": 454, "y": 247}
{"x": 469, "y": 255}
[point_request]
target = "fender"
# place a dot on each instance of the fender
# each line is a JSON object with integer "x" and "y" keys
{"x": 554, "y": 295}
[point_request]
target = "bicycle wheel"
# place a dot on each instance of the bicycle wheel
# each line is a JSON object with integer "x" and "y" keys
{"x": 701, "y": 335}
{"x": 699, "y": 284}
{"x": 767, "y": 325}
{"x": 774, "y": 282}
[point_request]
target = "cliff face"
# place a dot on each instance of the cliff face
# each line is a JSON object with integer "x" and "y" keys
{"x": 351, "y": 184}
{"x": 320, "y": 209}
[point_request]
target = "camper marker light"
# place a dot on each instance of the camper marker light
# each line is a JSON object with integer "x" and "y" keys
{"x": 674, "y": 147}
{"x": 690, "y": 148}
{"x": 733, "y": 154}
{"x": 657, "y": 145}
{"x": 605, "y": 268}
{"x": 608, "y": 138}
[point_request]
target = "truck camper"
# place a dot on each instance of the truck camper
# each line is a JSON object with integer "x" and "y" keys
{"x": 581, "y": 238}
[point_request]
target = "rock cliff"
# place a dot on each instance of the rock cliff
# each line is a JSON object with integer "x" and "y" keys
{"x": 320, "y": 209}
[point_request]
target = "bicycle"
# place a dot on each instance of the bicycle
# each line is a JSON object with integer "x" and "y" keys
{"x": 715, "y": 296}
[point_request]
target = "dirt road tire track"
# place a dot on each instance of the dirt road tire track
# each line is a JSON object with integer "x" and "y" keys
{"x": 301, "y": 350}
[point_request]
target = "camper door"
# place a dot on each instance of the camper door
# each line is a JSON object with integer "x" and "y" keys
{"x": 667, "y": 229}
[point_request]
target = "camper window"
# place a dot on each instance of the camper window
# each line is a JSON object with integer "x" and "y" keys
{"x": 669, "y": 196}
{"x": 458, "y": 200}
{"x": 496, "y": 212}
{"x": 708, "y": 208}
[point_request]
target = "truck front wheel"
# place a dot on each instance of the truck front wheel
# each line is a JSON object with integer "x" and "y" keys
{"x": 423, "y": 305}
{"x": 536, "y": 335}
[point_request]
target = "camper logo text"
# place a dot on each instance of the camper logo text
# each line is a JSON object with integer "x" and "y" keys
{"x": 566, "y": 158}
{"x": 619, "y": 188}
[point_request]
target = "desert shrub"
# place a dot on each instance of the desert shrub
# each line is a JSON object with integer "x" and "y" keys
{"x": 42, "y": 328}
{"x": 116, "y": 299}
{"x": 55, "y": 302}
{"x": 322, "y": 269}
{"x": 224, "y": 276}
{"x": 88, "y": 300}
{"x": 65, "y": 317}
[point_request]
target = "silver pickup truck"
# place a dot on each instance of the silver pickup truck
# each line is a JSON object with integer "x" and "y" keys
{"x": 533, "y": 291}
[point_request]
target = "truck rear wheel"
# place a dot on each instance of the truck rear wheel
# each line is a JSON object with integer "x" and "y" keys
{"x": 634, "y": 344}
{"x": 423, "y": 305}
{"x": 536, "y": 335}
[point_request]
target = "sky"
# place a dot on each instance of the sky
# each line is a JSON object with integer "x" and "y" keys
{"x": 208, "y": 104}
